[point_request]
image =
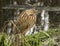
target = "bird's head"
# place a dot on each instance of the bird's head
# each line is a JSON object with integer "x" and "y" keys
{"x": 31, "y": 12}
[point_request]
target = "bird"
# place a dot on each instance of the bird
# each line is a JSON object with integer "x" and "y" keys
{"x": 26, "y": 20}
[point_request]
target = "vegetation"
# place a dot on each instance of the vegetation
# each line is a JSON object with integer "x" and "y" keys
{"x": 43, "y": 38}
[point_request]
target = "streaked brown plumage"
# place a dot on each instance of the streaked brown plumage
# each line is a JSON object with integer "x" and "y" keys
{"x": 26, "y": 20}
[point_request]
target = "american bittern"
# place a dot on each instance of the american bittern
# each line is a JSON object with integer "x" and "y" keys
{"x": 26, "y": 20}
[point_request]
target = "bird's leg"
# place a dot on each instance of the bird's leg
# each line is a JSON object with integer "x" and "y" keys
{"x": 17, "y": 40}
{"x": 22, "y": 39}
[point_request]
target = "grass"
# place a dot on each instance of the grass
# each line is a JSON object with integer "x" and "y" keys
{"x": 44, "y": 38}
